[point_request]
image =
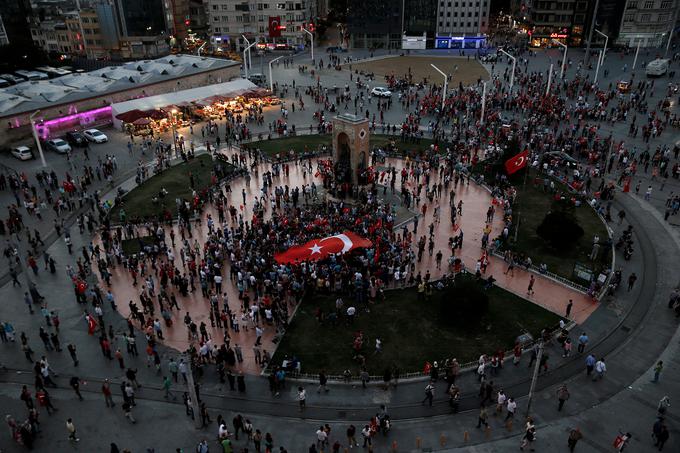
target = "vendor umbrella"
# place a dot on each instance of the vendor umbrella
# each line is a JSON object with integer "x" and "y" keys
{"x": 141, "y": 122}
{"x": 130, "y": 116}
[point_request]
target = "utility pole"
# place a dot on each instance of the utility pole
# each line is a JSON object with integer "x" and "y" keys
{"x": 592, "y": 29}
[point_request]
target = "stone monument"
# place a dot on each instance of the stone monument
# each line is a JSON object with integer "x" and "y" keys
{"x": 350, "y": 148}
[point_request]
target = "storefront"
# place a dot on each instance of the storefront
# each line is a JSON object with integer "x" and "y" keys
{"x": 460, "y": 42}
{"x": 546, "y": 40}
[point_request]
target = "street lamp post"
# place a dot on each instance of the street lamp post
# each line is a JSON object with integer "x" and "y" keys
{"x": 174, "y": 129}
{"x": 514, "y": 62}
{"x": 564, "y": 57}
{"x": 604, "y": 52}
{"x": 481, "y": 119}
{"x": 547, "y": 90}
{"x": 637, "y": 51}
{"x": 446, "y": 82}
{"x": 534, "y": 377}
{"x": 36, "y": 138}
{"x": 245, "y": 61}
{"x": 201, "y": 48}
{"x": 597, "y": 69}
{"x": 271, "y": 79}
{"x": 311, "y": 36}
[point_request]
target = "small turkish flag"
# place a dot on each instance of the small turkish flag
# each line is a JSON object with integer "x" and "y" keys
{"x": 91, "y": 324}
{"x": 320, "y": 248}
{"x": 517, "y": 162}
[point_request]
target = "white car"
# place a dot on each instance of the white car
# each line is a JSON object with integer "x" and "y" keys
{"x": 22, "y": 152}
{"x": 381, "y": 92}
{"x": 94, "y": 135}
{"x": 58, "y": 146}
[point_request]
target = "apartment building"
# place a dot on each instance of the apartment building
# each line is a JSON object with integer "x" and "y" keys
{"x": 462, "y": 23}
{"x": 274, "y": 23}
{"x": 647, "y": 22}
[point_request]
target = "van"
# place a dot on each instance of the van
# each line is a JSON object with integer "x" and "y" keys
{"x": 657, "y": 68}
{"x": 258, "y": 79}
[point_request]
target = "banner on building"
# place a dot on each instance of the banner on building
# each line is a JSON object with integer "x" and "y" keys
{"x": 274, "y": 26}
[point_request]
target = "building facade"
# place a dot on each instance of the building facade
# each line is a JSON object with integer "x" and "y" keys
{"x": 230, "y": 19}
{"x": 4, "y": 39}
{"x": 647, "y": 22}
{"x": 375, "y": 24}
{"x": 458, "y": 19}
{"x": 16, "y": 16}
{"x": 567, "y": 21}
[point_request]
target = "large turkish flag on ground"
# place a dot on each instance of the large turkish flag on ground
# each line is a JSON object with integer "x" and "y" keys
{"x": 320, "y": 248}
{"x": 517, "y": 162}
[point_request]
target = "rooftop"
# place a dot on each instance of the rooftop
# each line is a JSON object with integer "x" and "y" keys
{"x": 35, "y": 95}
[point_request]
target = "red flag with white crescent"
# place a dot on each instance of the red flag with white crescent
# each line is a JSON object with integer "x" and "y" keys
{"x": 91, "y": 324}
{"x": 517, "y": 162}
{"x": 320, "y": 248}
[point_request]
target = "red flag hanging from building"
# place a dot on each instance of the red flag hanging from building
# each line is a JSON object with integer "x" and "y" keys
{"x": 274, "y": 26}
{"x": 321, "y": 248}
{"x": 517, "y": 162}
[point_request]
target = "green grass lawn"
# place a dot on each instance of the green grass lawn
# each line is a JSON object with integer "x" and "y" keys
{"x": 533, "y": 204}
{"x": 138, "y": 202}
{"x": 305, "y": 143}
{"x": 412, "y": 332}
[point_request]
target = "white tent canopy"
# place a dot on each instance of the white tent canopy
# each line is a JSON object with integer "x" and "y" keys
{"x": 233, "y": 88}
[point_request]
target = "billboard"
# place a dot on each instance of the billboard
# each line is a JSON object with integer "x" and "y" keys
{"x": 414, "y": 42}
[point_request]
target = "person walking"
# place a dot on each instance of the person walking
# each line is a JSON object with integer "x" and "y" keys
{"x": 530, "y": 289}
{"x": 483, "y": 418}
{"x": 351, "y": 436}
{"x": 429, "y": 393}
{"x": 574, "y": 436}
{"x": 366, "y": 434}
{"x": 72, "y": 352}
{"x": 106, "y": 391}
{"x": 511, "y": 408}
{"x": 71, "y": 429}
{"x": 127, "y": 412}
{"x": 600, "y": 369}
{"x": 657, "y": 371}
{"x": 323, "y": 380}
{"x": 529, "y": 437}
{"x": 582, "y": 342}
{"x": 302, "y": 398}
{"x": 167, "y": 383}
{"x": 74, "y": 382}
{"x": 590, "y": 364}
{"x": 562, "y": 396}
{"x": 662, "y": 437}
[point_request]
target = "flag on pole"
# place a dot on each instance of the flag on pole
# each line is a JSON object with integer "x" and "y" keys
{"x": 91, "y": 324}
{"x": 517, "y": 162}
{"x": 320, "y": 248}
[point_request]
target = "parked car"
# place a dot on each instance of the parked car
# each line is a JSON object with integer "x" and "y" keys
{"x": 75, "y": 138}
{"x": 381, "y": 92}
{"x": 95, "y": 135}
{"x": 58, "y": 145}
{"x": 22, "y": 152}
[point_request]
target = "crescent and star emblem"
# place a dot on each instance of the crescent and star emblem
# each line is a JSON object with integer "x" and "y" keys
{"x": 346, "y": 241}
{"x": 315, "y": 249}
{"x": 520, "y": 161}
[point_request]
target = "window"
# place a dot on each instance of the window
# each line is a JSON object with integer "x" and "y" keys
{"x": 225, "y": 18}
{"x": 448, "y": 24}
{"x": 216, "y": 29}
{"x": 225, "y": 7}
{"x": 645, "y": 17}
{"x": 216, "y": 18}
{"x": 214, "y": 7}
{"x": 649, "y": 4}
{"x": 441, "y": 13}
{"x": 239, "y": 18}
{"x": 476, "y": 24}
{"x": 448, "y": 14}
{"x": 441, "y": 24}
{"x": 261, "y": 28}
{"x": 663, "y": 17}
{"x": 469, "y": 24}
{"x": 629, "y": 17}
{"x": 281, "y": 6}
{"x": 632, "y": 5}
{"x": 455, "y": 14}
{"x": 666, "y": 4}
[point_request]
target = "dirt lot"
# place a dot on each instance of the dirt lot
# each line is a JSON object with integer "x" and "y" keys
{"x": 467, "y": 71}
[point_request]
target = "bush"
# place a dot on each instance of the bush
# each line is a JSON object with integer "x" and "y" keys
{"x": 463, "y": 303}
{"x": 560, "y": 230}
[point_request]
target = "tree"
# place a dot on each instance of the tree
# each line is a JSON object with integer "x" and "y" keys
{"x": 560, "y": 229}
{"x": 463, "y": 303}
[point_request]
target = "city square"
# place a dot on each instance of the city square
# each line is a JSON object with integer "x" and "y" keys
{"x": 351, "y": 254}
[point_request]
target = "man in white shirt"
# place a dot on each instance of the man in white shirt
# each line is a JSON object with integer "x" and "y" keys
{"x": 511, "y": 407}
{"x": 600, "y": 369}
{"x": 321, "y": 438}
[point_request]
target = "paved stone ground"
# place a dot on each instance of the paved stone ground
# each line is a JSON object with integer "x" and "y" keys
{"x": 624, "y": 400}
